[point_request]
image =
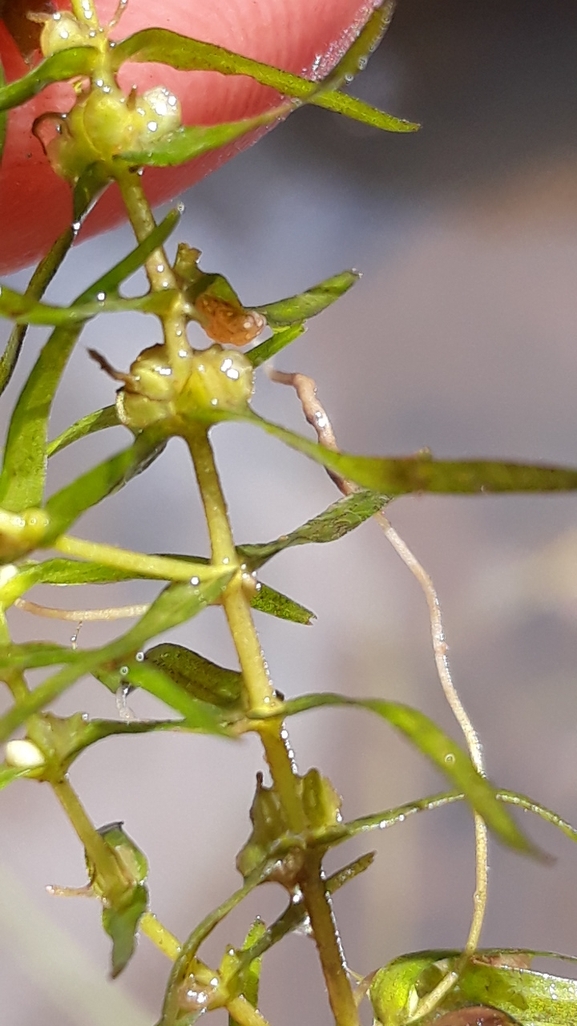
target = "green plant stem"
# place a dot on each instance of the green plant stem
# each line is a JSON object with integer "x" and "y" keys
{"x": 159, "y": 272}
{"x": 164, "y": 940}
{"x": 106, "y": 867}
{"x": 260, "y": 693}
{"x": 317, "y": 900}
{"x": 243, "y": 1013}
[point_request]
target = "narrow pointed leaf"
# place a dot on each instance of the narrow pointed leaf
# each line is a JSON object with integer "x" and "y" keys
{"x": 268, "y": 600}
{"x": 38, "y": 284}
{"x": 196, "y": 675}
{"x": 10, "y": 773}
{"x": 307, "y": 304}
{"x": 25, "y": 309}
{"x": 175, "y": 604}
{"x": 89, "y": 425}
{"x": 78, "y": 60}
{"x": 271, "y": 346}
{"x": 443, "y": 752}
{"x": 392, "y": 476}
{"x": 24, "y": 471}
{"x": 333, "y": 523}
{"x": 192, "y": 141}
{"x": 166, "y": 47}
{"x": 69, "y": 503}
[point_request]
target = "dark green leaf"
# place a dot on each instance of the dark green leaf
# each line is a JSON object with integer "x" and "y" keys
{"x": 24, "y": 470}
{"x": 273, "y": 345}
{"x": 175, "y": 604}
{"x": 443, "y": 752}
{"x": 166, "y": 47}
{"x": 196, "y": 675}
{"x": 307, "y": 304}
{"x": 267, "y": 600}
{"x": 97, "y": 421}
{"x": 192, "y": 141}
{"x": 78, "y": 60}
{"x": 333, "y": 523}
{"x": 121, "y": 924}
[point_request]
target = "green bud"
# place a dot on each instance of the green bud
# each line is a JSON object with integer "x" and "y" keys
{"x": 219, "y": 379}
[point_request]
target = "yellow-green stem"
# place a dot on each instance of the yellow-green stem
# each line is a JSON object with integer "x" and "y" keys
{"x": 259, "y": 693}
{"x": 85, "y": 12}
{"x": 106, "y": 866}
{"x": 243, "y": 1013}
{"x": 159, "y": 271}
{"x": 164, "y": 940}
{"x": 317, "y": 900}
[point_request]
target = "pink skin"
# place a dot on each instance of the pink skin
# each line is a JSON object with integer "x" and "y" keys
{"x": 302, "y": 36}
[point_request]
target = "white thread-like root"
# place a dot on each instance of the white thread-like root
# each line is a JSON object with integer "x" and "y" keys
{"x": 81, "y": 615}
{"x": 317, "y": 417}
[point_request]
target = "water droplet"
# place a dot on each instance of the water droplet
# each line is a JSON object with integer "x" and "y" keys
{"x": 100, "y": 297}
{"x": 139, "y": 657}
{"x": 195, "y": 581}
{"x": 123, "y": 671}
{"x": 449, "y": 759}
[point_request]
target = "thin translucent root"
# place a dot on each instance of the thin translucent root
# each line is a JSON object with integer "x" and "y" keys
{"x": 81, "y": 615}
{"x": 316, "y": 415}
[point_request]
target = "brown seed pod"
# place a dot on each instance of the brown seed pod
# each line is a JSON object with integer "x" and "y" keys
{"x": 226, "y": 323}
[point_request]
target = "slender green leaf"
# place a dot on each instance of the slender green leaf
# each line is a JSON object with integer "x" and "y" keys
{"x": 391, "y": 476}
{"x": 86, "y": 491}
{"x": 175, "y": 604}
{"x": 196, "y": 675}
{"x": 97, "y": 421}
{"x": 294, "y": 916}
{"x": 10, "y": 773}
{"x": 248, "y": 978}
{"x": 295, "y": 309}
{"x": 84, "y": 192}
{"x": 33, "y": 654}
{"x": 24, "y": 470}
{"x": 192, "y": 141}
{"x": 267, "y": 600}
{"x": 38, "y": 284}
{"x": 443, "y": 752}
{"x": 78, "y": 60}
{"x": 23, "y": 308}
{"x": 273, "y": 345}
{"x": 333, "y": 523}
{"x": 166, "y": 47}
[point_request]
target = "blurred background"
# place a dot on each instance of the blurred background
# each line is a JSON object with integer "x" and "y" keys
{"x": 461, "y": 337}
